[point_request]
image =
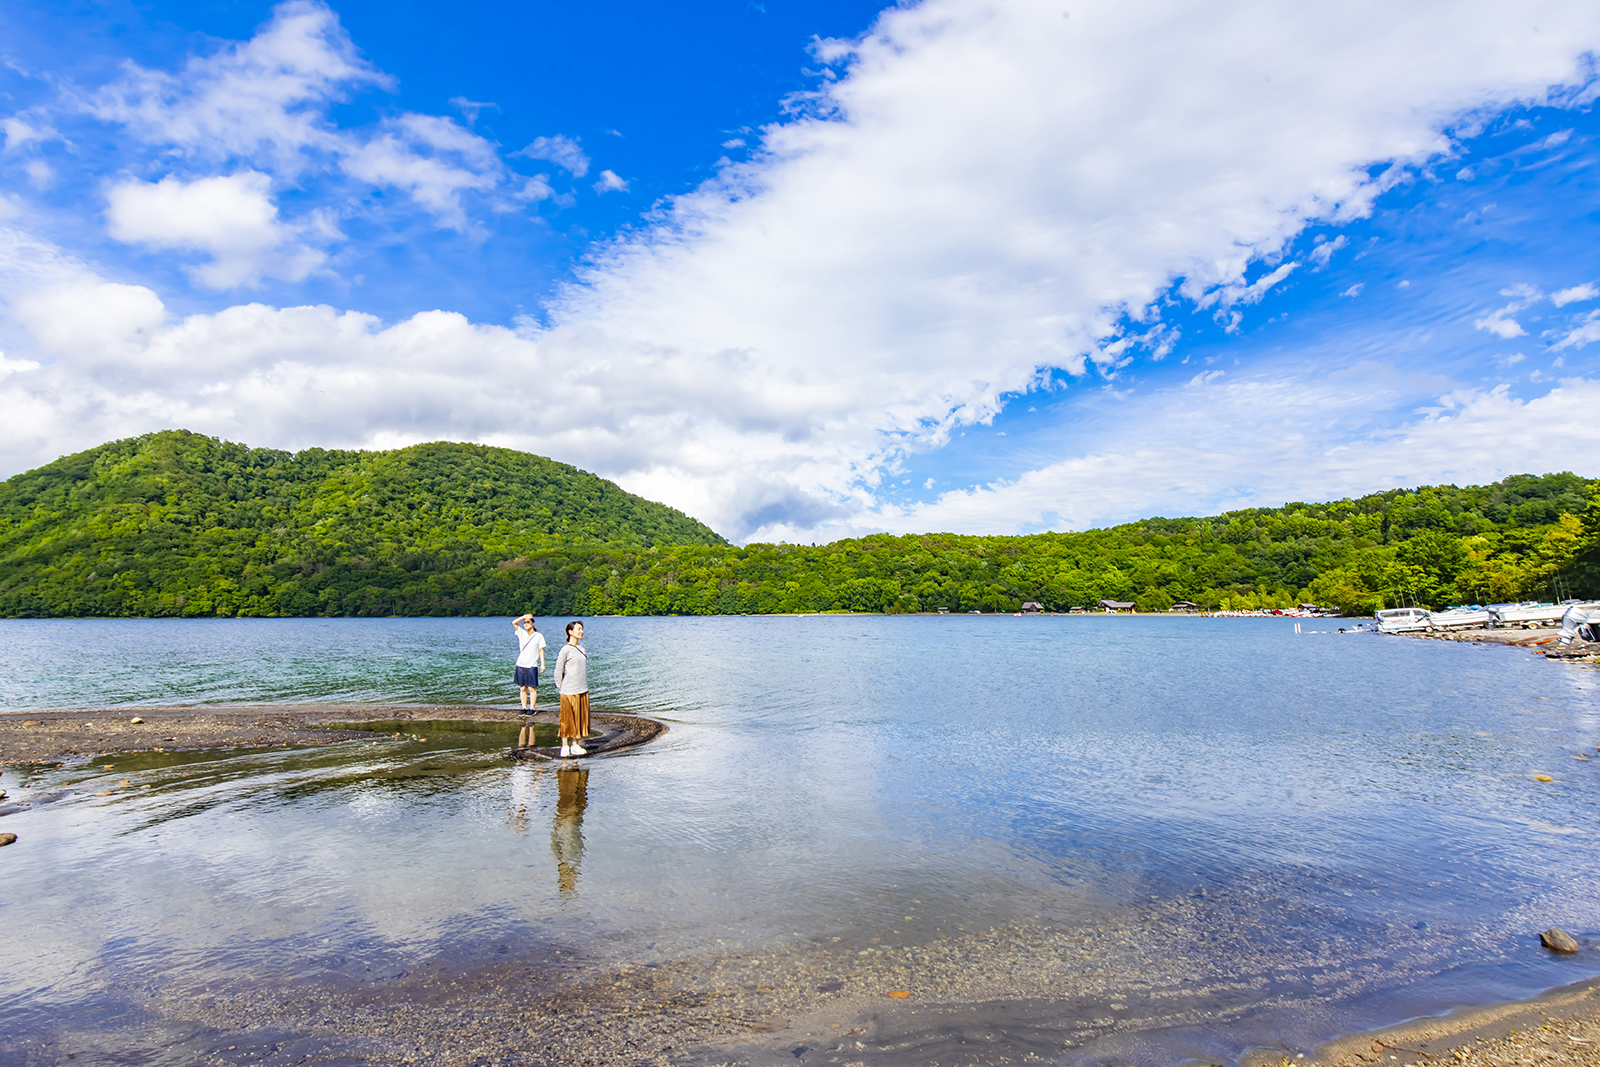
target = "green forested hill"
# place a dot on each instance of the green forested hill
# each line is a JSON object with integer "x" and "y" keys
{"x": 175, "y": 523}
{"x": 1526, "y": 536}
{"x": 178, "y": 524}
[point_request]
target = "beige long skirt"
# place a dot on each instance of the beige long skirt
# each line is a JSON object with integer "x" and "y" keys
{"x": 574, "y": 716}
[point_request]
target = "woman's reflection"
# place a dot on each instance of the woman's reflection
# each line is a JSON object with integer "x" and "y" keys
{"x": 566, "y": 835}
{"x": 524, "y": 796}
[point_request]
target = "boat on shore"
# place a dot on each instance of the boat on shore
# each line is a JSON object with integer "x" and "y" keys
{"x": 1460, "y": 618}
{"x": 1528, "y": 613}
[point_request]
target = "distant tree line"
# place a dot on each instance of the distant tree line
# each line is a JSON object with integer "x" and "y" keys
{"x": 181, "y": 525}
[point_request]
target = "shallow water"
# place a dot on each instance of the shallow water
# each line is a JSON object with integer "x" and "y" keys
{"x": 1289, "y": 836}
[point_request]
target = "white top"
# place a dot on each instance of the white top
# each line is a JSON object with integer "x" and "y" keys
{"x": 572, "y": 670}
{"x": 532, "y": 654}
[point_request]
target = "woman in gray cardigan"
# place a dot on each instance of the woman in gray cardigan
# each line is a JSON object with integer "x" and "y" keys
{"x": 572, "y": 682}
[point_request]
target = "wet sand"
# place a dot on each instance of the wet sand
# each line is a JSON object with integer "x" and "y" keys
{"x": 1560, "y": 1028}
{"x": 53, "y": 736}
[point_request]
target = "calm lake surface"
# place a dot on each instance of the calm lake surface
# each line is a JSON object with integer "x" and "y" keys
{"x": 1285, "y": 836}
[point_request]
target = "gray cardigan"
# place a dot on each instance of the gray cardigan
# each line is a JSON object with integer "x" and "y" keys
{"x": 572, "y": 670}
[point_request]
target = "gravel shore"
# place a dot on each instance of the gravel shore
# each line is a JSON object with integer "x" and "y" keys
{"x": 1559, "y": 1029}
{"x": 1540, "y": 641}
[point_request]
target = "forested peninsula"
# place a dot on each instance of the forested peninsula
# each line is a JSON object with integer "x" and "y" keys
{"x": 175, "y": 524}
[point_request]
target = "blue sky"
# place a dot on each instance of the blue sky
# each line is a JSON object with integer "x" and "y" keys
{"x": 813, "y": 270}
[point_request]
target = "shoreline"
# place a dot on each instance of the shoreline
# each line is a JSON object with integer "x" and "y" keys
{"x": 50, "y": 737}
{"x": 1560, "y": 1027}
{"x": 1538, "y": 640}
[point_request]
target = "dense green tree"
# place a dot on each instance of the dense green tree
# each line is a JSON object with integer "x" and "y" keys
{"x": 175, "y": 523}
{"x": 179, "y": 524}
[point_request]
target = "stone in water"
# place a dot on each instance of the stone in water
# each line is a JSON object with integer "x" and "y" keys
{"x": 1558, "y": 941}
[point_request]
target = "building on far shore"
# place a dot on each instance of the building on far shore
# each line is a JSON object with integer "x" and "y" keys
{"x": 1032, "y": 607}
{"x": 1184, "y": 605}
{"x": 1117, "y": 605}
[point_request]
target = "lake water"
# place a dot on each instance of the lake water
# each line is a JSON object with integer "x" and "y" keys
{"x": 1130, "y": 840}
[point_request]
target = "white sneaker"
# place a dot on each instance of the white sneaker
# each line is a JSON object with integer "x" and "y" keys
{"x": 579, "y": 750}
{"x": 565, "y": 751}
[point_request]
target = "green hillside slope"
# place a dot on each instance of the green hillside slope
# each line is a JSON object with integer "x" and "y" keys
{"x": 1526, "y": 536}
{"x": 175, "y": 523}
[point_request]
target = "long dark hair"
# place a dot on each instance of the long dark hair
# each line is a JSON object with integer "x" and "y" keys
{"x": 570, "y": 625}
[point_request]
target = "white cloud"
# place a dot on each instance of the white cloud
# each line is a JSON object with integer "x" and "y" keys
{"x": 99, "y": 324}
{"x": 29, "y": 263}
{"x": 990, "y": 189}
{"x": 263, "y": 99}
{"x": 22, "y": 131}
{"x": 433, "y": 159}
{"x": 535, "y": 189}
{"x": 470, "y": 109}
{"x": 1587, "y": 331}
{"x": 1324, "y": 250}
{"x": 231, "y": 218}
{"x": 1354, "y": 290}
{"x": 610, "y": 183}
{"x": 985, "y": 191}
{"x": 1262, "y": 442}
{"x": 562, "y": 151}
{"x": 1239, "y": 293}
{"x": 1499, "y": 324}
{"x": 1576, "y": 294}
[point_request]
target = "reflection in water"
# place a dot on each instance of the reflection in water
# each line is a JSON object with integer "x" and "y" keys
{"x": 525, "y": 782}
{"x": 566, "y": 834}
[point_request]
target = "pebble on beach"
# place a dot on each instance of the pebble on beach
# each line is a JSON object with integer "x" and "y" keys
{"x": 6, "y": 839}
{"x": 1558, "y": 941}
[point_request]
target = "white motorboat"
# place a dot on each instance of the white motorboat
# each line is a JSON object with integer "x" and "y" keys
{"x": 1401, "y": 620}
{"x": 1462, "y": 618}
{"x": 1528, "y": 614}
